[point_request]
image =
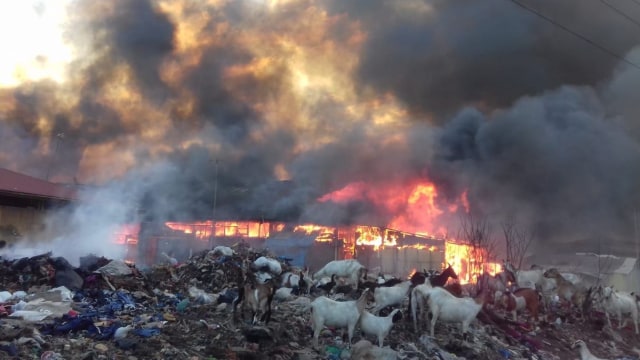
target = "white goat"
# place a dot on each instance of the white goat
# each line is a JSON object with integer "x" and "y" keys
{"x": 387, "y": 296}
{"x": 272, "y": 264}
{"x": 350, "y": 269}
{"x": 419, "y": 295}
{"x": 343, "y": 314}
{"x": 619, "y": 303}
{"x": 443, "y": 305}
{"x": 222, "y": 250}
{"x": 585, "y": 354}
{"x": 525, "y": 278}
{"x": 377, "y": 325}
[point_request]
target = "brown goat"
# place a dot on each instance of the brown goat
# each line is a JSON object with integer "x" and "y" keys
{"x": 455, "y": 289}
{"x": 258, "y": 298}
{"x": 523, "y": 298}
{"x": 567, "y": 291}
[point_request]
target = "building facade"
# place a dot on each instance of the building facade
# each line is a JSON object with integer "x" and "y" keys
{"x": 24, "y": 203}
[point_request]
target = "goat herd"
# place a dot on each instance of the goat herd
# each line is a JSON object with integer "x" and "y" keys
{"x": 346, "y": 296}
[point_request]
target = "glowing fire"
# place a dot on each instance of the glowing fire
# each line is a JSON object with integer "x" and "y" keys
{"x": 243, "y": 229}
{"x": 468, "y": 262}
{"x": 413, "y": 272}
{"x": 374, "y": 236}
{"x": 127, "y": 234}
{"x": 418, "y": 247}
{"x": 415, "y": 204}
{"x": 417, "y": 209}
{"x": 325, "y": 234}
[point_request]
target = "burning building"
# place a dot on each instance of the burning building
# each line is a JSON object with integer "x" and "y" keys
{"x": 414, "y": 236}
{"x": 379, "y": 249}
{"x": 369, "y": 110}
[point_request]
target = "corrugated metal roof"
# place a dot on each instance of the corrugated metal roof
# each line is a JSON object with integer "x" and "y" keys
{"x": 21, "y": 184}
{"x": 627, "y": 266}
{"x": 587, "y": 263}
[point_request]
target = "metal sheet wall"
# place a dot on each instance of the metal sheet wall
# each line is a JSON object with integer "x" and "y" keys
{"x": 25, "y": 220}
{"x": 400, "y": 261}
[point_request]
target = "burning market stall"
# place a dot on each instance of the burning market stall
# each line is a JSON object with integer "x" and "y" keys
{"x": 382, "y": 249}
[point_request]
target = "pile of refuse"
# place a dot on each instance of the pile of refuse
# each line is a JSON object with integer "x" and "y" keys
{"x": 110, "y": 309}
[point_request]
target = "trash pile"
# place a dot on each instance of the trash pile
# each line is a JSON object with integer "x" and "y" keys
{"x": 109, "y": 309}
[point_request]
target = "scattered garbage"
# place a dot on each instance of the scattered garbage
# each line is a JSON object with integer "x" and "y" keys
{"x": 184, "y": 311}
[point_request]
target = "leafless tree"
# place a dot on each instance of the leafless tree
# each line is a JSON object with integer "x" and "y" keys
{"x": 603, "y": 266}
{"x": 476, "y": 232}
{"x": 604, "y": 263}
{"x": 517, "y": 241}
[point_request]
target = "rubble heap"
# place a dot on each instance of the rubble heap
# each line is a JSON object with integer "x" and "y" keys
{"x": 108, "y": 309}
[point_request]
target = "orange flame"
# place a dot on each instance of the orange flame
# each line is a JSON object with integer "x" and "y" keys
{"x": 465, "y": 260}
{"x": 127, "y": 234}
{"x": 415, "y": 203}
{"x": 413, "y": 271}
{"x": 464, "y": 198}
{"x": 418, "y": 247}
{"x": 374, "y": 236}
{"x": 325, "y": 234}
{"x": 202, "y": 230}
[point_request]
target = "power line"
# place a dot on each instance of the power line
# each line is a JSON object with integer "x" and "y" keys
{"x": 620, "y": 12}
{"x": 582, "y": 37}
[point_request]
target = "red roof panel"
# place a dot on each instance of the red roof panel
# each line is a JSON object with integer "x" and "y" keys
{"x": 17, "y": 183}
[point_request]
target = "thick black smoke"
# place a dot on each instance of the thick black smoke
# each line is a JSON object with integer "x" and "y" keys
{"x": 529, "y": 119}
{"x": 554, "y": 160}
{"x": 440, "y": 55}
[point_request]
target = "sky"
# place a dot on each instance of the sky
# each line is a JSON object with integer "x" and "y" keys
{"x": 360, "y": 103}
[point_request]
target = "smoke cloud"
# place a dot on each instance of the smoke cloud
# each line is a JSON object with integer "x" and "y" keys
{"x": 277, "y": 104}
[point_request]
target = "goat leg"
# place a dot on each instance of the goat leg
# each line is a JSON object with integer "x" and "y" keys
{"x": 236, "y": 301}
{"x": 606, "y": 313}
{"x": 350, "y": 331}
{"x": 621, "y": 323}
{"x": 465, "y": 336}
